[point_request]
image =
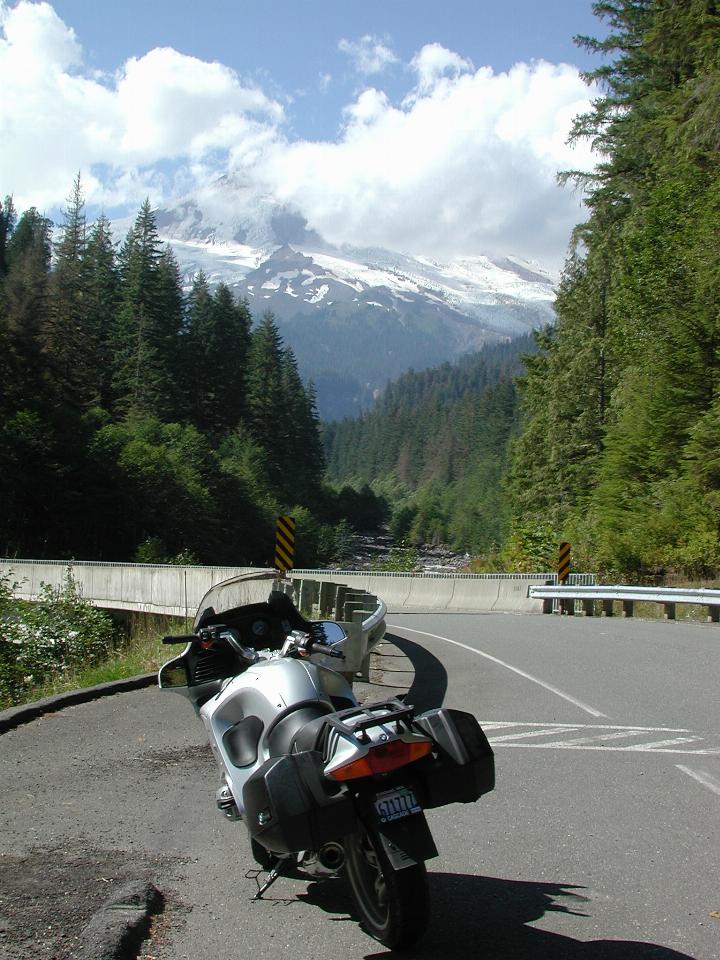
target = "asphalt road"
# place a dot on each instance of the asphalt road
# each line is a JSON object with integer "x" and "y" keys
{"x": 600, "y": 841}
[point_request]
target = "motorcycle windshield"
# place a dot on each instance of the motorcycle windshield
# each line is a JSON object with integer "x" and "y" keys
{"x": 248, "y": 588}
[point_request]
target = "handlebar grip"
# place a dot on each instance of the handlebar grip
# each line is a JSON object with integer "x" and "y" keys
{"x": 182, "y": 638}
{"x": 328, "y": 652}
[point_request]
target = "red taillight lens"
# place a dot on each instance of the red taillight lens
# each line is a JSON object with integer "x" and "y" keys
{"x": 383, "y": 758}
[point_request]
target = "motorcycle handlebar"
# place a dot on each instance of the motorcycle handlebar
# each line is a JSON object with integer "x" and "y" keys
{"x": 182, "y": 638}
{"x": 326, "y": 651}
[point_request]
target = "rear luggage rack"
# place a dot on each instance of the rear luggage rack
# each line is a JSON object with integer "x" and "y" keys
{"x": 396, "y": 712}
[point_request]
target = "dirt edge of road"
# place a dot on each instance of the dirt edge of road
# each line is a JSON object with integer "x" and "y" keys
{"x": 16, "y": 716}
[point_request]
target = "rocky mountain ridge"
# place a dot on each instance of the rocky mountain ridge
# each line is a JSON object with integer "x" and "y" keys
{"x": 354, "y": 317}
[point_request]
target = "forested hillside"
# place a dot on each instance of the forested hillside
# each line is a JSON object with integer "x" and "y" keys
{"x": 140, "y": 423}
{"x": 436, "y": 446}
{"x": 620, "y": 449}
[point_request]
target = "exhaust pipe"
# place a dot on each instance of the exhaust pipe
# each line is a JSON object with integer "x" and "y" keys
{"x": 331, "y": 856}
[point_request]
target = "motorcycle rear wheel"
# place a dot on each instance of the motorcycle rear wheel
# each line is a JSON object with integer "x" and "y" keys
{"x": 394, "y": 905}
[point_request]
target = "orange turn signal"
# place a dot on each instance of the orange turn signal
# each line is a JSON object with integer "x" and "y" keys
{"x": 383, "y": 758}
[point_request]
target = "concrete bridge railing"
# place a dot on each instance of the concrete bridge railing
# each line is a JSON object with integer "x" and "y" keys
{"x": 177, "y": 591}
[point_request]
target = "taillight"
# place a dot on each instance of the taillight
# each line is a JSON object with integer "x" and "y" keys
{"x": 382, "y": 758}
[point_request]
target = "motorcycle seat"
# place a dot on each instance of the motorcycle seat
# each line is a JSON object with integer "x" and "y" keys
{"x": 310, "y": 736}
{"x": 290, "y": 730}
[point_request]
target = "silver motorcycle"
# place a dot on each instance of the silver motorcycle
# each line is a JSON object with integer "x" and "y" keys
{"x": 322, "y": 783}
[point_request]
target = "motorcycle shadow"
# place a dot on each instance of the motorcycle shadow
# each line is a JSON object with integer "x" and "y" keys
{"x": 430, "y": 682}
{"x": 474, "y": 917}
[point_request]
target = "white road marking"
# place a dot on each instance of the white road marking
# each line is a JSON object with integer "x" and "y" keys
{"x": 581, "y": 741}
{"x": 521, "y": 673}
{"x": 596, "y": 740}
{"x": 658, "y": 744}
{"x": 640, "y": 748}
{"x": 703, "y": 777}
{"x": 492, "y": 724}
{"x": 542, "y": 732}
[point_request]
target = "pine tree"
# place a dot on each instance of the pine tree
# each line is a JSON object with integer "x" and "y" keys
{"x": 102, "y": 298}
{"x": 267, "y": 416}
{"x": 8, "y": 219}
{"x": 172, "y": 390}
{"x": 304, "y": 456}
{"x": 197, "y": 369}
{"x": 65, "y": 337}
{"x": 143, "y": 357}
{"x": 231, "y": 344}
{"x": 25, "y": 306}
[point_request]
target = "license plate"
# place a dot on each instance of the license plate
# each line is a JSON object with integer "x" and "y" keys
{"x": 395, "y": 804}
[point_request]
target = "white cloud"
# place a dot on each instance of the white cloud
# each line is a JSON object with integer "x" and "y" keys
{"x": 35, "y": 34}
{"x": 434, "y": 62}
{"x": 369, "y": 54}
{"x": 466, "y": 163}
{"x": 369, "y": 107}
{"x": 158, "y": 107}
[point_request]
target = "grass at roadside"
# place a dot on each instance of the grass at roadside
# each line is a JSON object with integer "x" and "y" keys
{"x": 650, "y": 610}
{"x": 142, "y": 652}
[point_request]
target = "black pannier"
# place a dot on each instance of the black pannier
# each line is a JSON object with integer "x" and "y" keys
{"x": 291, "y": 806}
{"x": 465, "y": 766}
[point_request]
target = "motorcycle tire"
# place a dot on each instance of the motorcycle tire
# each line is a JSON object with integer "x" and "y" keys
{"x": 393, "y": 905}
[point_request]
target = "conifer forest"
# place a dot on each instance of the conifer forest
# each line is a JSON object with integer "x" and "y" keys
{"x": 142, "y": 421}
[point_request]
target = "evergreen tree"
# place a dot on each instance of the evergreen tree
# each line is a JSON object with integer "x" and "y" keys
{"x": 8, "y": 219}
{"x": 65, "y": 337}
{"x": 173, "y": 392}
{"x": 267, "y": 418}
{"x": 304, "y": 456}
{"x": 197, "y": 372}
{"x": 102, "y": 296}
{"x": 25, "y": 307}
{"x": 147, "y": 315}
{"x": 227, "y": 355}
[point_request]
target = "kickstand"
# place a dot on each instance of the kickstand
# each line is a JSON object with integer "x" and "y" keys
{"x": 272, "y": 877}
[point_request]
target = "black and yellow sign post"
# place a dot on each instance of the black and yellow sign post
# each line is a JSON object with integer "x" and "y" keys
{"x": 564, "y": 562}
{"x": 285, "y": 545}
{"x": 566, "y": 606}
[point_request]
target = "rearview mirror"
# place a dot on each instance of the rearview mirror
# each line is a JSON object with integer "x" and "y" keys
{"x": 174, "y": 674}
{"x": 330, "y": 631}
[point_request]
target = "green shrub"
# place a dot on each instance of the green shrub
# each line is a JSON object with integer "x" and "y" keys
{"x": 46, "y": 638}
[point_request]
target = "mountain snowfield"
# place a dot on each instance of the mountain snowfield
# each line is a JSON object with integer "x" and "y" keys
{"x": 354, "y": 317}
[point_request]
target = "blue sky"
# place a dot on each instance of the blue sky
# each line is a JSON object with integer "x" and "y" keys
{"x": 289, "y": 46}
{"x": 433, "y": 129}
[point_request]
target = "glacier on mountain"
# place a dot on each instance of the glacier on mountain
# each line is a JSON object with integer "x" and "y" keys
{"x": 354, "y": 317}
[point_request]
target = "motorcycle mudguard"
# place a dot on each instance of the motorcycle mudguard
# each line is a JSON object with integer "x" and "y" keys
{"x": 464, "y": 768}
{"x": 407, "y": 841}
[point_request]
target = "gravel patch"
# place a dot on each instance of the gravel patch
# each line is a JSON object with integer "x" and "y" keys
{"x": 50, "y": 895}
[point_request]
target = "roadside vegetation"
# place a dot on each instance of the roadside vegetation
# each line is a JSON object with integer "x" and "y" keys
{"x": 62, "y": 642}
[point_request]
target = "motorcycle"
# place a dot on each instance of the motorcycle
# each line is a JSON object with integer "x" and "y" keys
{"x": 323, "y": 784}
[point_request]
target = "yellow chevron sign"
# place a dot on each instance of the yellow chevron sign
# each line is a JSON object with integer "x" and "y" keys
{"x": 564, "y": 562}
{"x": 285, "y": 544}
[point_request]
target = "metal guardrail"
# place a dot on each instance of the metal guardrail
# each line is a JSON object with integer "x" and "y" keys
{"x": 565, "y": 599}
{"x": 412, "y": 574}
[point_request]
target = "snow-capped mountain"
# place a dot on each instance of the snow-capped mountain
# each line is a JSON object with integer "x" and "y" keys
{"x": 354, "y": 317}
